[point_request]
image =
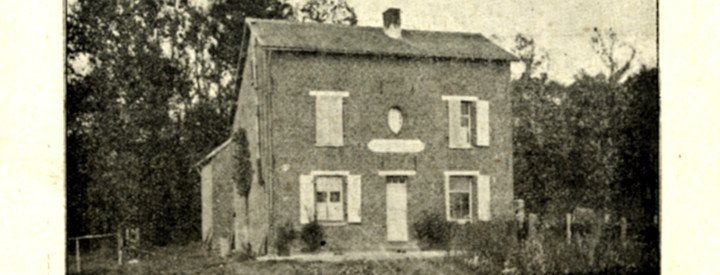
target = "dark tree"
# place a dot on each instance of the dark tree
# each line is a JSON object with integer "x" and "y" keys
{"x": 641, "y": 130}
{"x": 151, "y": 88}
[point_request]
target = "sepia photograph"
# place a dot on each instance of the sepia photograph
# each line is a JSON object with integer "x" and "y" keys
{"x": 362, "y": 137}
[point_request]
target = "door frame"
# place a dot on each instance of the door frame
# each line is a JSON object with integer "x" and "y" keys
{"x": 400, "y": 173}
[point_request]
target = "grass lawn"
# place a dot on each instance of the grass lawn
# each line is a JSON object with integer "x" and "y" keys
{"x": 192, "y": 259}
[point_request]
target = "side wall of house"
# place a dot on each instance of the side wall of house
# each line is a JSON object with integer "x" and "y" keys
{"x": 252, "y": 226}
{"x": 375, "y": 85}
{"x": 206, "y": 195}
{"x": 222, "y": 187}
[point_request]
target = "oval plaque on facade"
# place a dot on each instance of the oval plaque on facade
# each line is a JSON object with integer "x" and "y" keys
{"x": 395, "y": 119}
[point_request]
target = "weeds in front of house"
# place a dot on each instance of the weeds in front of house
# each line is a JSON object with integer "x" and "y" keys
{"x": 500, "y": 247}
{"x": 244, "y": 253}
{"x": 286, "y": 234}
{"x": 176, "y": 259}
{"x": 487, "y": 248}
{"x": 433, "y": 231}
{"x": 313, "y": 236}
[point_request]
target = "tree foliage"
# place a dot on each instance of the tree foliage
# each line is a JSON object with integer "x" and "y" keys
{"x": 591, "y": 143}
{"x": 151, "y": 88}
{"x": 119, "y": 118}
{"x": 610, "y": 51}
{"x": 531, "y": 57}
{"x": 149, "y": 93}
{"x": 640, "y": 145}
{"x": 320, "y": 11}
{"x": 328, "y": 11}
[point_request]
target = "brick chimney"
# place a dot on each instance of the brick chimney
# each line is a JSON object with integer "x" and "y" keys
{"x": 391, "y": 23}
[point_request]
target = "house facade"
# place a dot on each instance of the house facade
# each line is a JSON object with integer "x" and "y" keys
{"x": 365, "y": 130}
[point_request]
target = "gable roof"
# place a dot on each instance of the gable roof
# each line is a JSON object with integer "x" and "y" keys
{"x": 330, "y": 38}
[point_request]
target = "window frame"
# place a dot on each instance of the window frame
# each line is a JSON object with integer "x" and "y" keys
{"x": 396, "y": 179}
{"x": 470, "y": 118}
{"x": 344, "y": 175}
{"x": 474, "y": 175}
{"x": 468, "y": 137}
{"x": 400, "y": 119}
{"x": 405, "y": 175}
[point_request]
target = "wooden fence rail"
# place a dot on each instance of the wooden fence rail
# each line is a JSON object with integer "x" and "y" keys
{"x": 118, "y": 237}
{"x": 93, "y": 236}
{"x": 533, "y": 223}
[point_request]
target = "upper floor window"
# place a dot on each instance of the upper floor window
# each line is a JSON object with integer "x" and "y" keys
{"x": 468, "y": 121}
{"x": 329, "y": 118}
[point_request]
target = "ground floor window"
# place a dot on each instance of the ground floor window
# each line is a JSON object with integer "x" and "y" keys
{"x": 329, "y": 198}
{"x": 459, "y": 194}
{"x": 467, "y": 196}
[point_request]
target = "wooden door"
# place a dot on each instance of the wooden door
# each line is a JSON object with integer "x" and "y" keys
{"x": 396, "y": 195}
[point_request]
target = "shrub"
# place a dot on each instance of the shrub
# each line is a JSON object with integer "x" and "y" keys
{"x": 242, "y": 254}
{"x": 486, "y": 247}
{"x": 433, "y": 231}
{"x": 494, "y": 240}
{"x": 313, "y": 236}
{"x": 562, "y": 257}
{"x": 285, "y": 235}
{"x": 532, "y": 257}
{"x": 243, "y": 172}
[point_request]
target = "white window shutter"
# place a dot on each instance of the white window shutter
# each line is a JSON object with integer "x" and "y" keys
{"x": 336, "y": 122}
{"x": 354, "y": 198}
{"x": 447, "y": 198}
{"x": 322, "y": 119}
{"x": 483, "y": 191}
{"x": 454, "y": 134}
{"x": 482, "y": 122}
{"x": 329, "y": 120}
{"x": 307, "y": 199}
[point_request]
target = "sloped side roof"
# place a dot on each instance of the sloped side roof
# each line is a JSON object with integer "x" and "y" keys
{"x": 329, "y": 38}
{"x": 212, "y": 153}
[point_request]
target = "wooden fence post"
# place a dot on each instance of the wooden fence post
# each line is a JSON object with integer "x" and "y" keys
{"x": 532, "y": 225}
{"x": 520, "y": 211}
{"x": 568, "y": 228}
{"x": 77, "y": 255}
{"x": 119, "y": 247}
{"x": 623, "y": 231}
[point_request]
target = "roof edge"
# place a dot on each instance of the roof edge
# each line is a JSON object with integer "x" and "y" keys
{"x": 512, "y": 57}
{"x": 214, "y": 152}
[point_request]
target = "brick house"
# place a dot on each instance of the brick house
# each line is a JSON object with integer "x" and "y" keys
{"x": 364, "y": 129}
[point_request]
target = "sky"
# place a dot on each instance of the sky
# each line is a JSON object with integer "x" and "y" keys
{"x": 562, "y": 28}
